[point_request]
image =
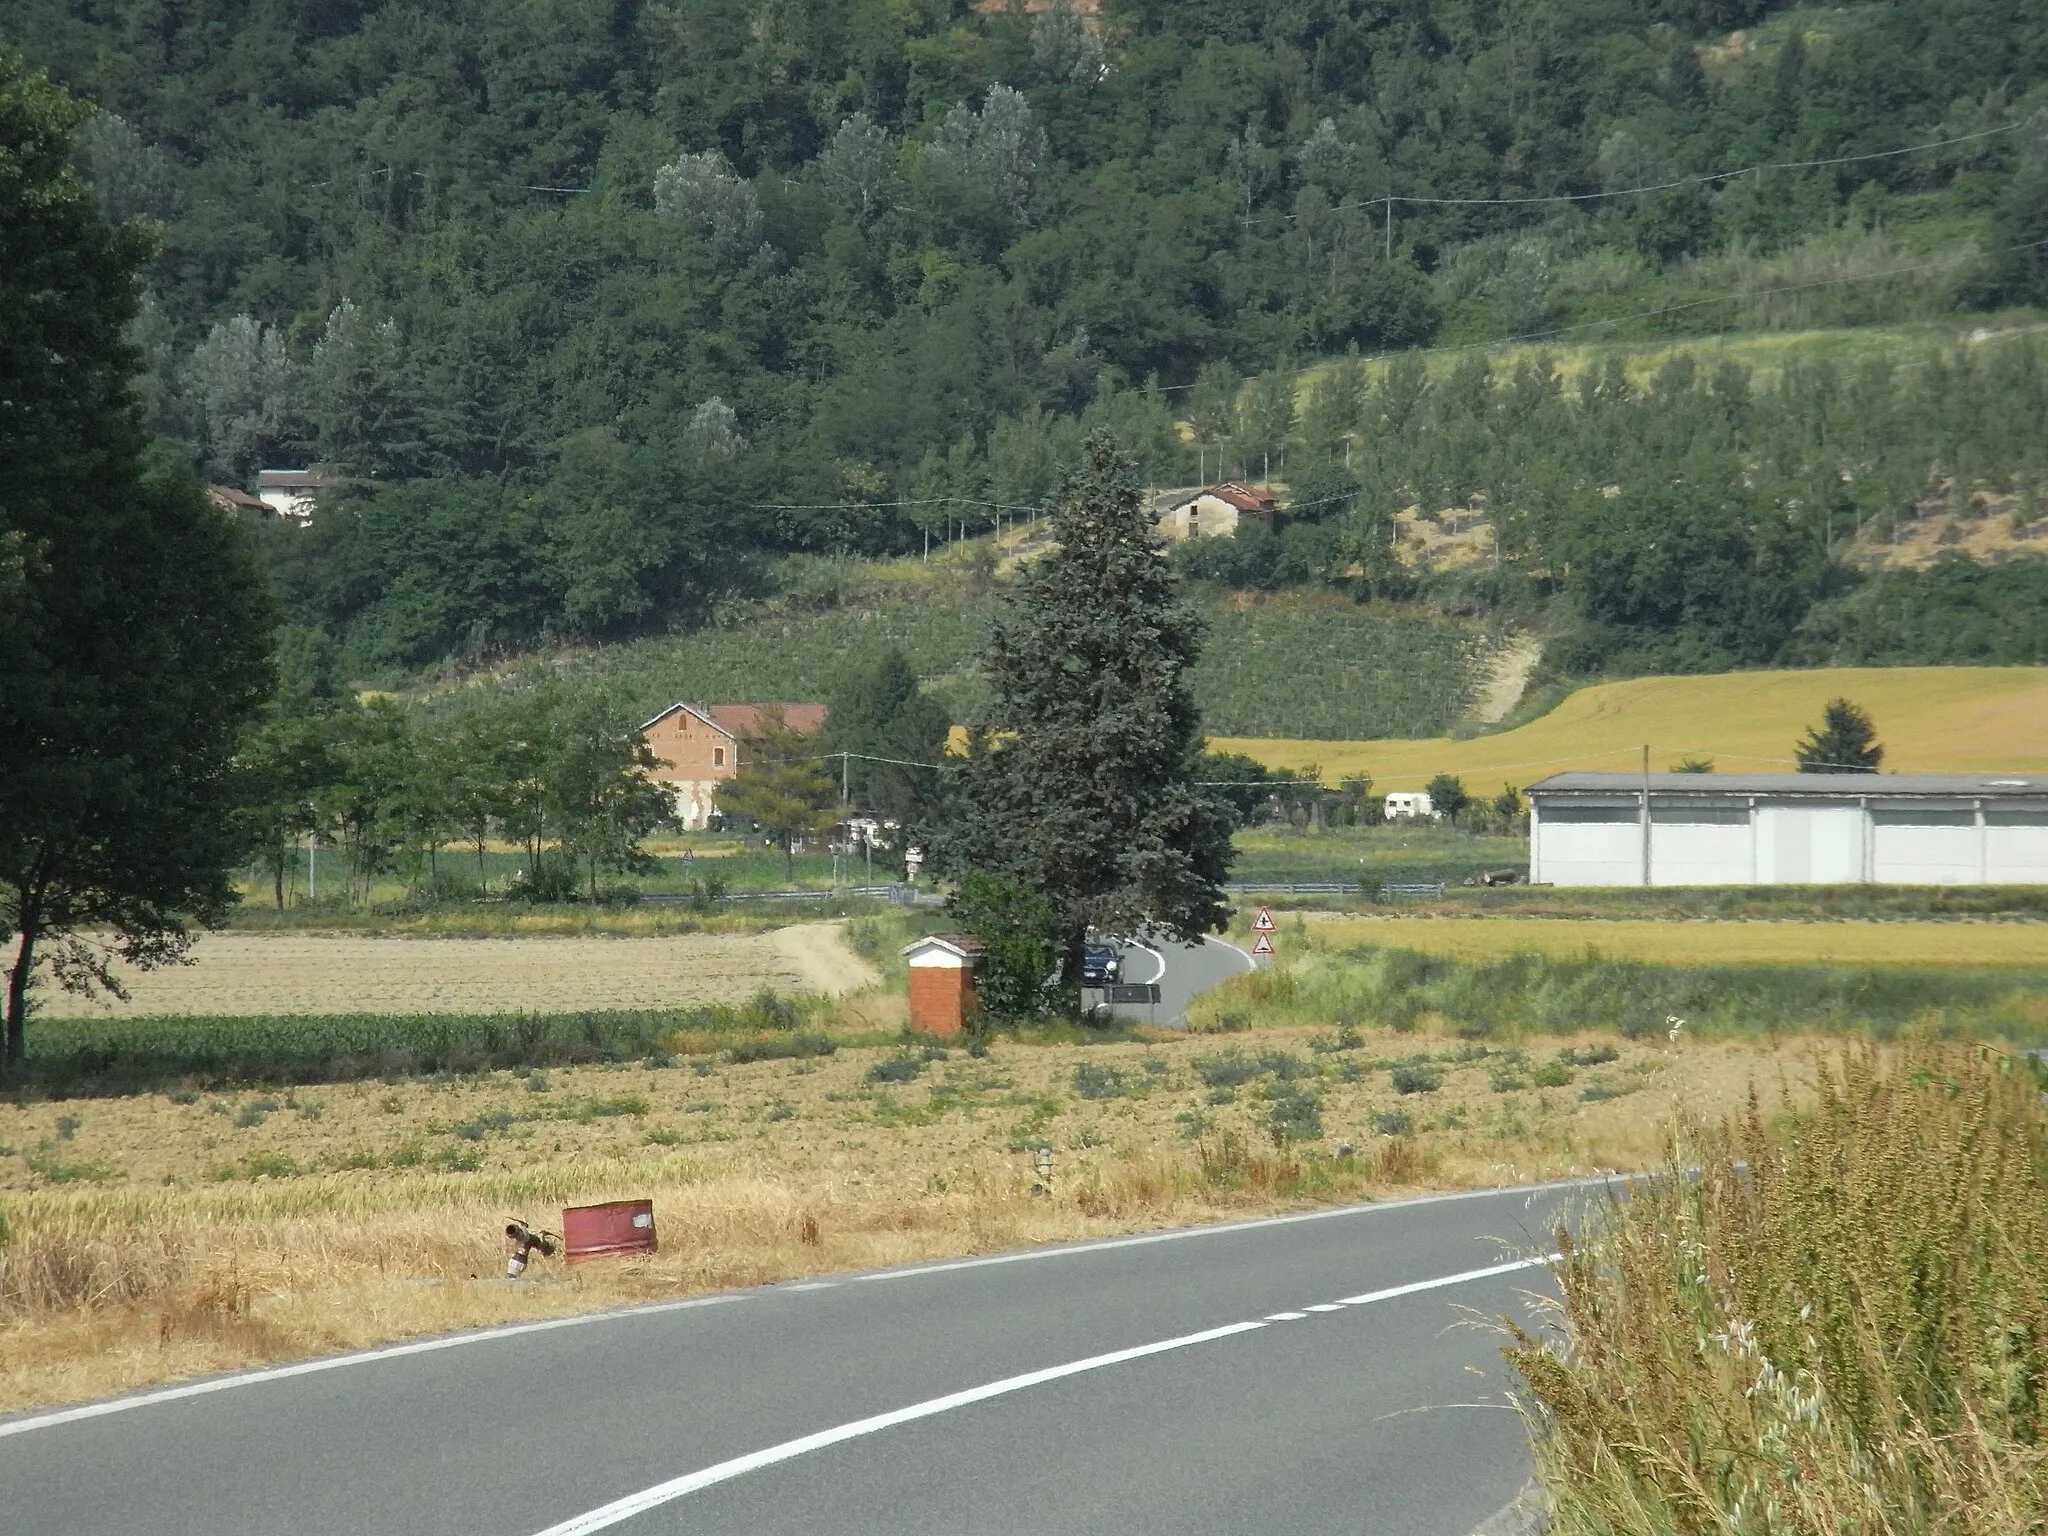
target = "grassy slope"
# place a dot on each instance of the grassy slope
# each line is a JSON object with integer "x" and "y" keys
{"x": 1930, "y": 719}
{"x": 1312, "y": 663}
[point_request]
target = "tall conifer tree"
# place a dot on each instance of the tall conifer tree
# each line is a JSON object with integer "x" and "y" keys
{"x": 1082, "y": 785}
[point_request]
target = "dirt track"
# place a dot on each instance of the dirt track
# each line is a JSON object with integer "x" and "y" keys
{"x": 247, "y": 974}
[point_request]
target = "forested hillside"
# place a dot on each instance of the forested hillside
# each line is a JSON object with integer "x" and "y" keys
{"x": 601, "y": 306}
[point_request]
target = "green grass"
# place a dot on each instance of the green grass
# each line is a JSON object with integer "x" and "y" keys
{"x": 1522, "y": 995}
{"x": 97, "y": 1056}
{"x": 1371, "y": 856}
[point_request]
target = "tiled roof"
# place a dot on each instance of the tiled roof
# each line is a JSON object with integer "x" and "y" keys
{"x": 745, "y": 719}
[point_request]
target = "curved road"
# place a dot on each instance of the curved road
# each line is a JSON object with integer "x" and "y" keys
{"x": 1315, "y": 1373}
{"x": 1183, "y": 971}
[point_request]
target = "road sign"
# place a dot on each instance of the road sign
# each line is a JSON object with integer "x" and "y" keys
{"x": 1264, "y": 946}
{"x": 1264, "y": 922}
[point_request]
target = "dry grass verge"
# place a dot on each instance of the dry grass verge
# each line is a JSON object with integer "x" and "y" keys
{"x": 162, "y": 1236}
{"x": 1839, "y": 1326}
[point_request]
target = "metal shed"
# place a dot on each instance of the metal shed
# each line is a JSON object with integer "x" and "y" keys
{"x": 1788, "y": 829}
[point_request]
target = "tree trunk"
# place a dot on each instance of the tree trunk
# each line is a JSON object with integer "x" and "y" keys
{"x": 16, "y": 1048}
{"x": 277, "y": 863}
{"x": 1073, "y": 951}
{"x": 788, "y": 858}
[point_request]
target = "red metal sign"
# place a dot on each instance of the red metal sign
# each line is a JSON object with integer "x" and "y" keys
{"x": 614, "y": 1230}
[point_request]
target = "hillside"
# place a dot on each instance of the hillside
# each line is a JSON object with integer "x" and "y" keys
{"x": 1275, "y": 664}
{"x": 596, "y": 310}
{"x": 1929, "y": 719}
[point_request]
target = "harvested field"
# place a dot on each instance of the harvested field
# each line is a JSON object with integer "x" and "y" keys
{"x": 1930, "y": 720}
{"x": 243, "y": 975}
{"x": 162, "y": 1236}
{"x": 1704, "y": 942}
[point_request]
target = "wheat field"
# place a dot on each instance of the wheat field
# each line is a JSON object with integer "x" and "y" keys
{"x": 1657, "y": 942}
{"x": 1929, "y": 720}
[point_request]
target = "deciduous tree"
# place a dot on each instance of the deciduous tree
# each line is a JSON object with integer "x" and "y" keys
{"x": 136, "y": 628}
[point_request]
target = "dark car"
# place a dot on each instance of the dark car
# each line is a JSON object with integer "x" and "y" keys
{"x": 1101, "y": 966}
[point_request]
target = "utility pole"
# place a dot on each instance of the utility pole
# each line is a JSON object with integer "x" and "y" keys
{"x": 1646, "y": 814}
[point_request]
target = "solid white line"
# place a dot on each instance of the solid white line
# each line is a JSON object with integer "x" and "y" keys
{"x": 336, "y": 1362}
{"x": 664, "y": 1493}
{"x": 1158, "y": 975}
{"x": 620, "y": 1510}
{"x": 1370, "y": 1208}
{"x": 1249, "y": 963}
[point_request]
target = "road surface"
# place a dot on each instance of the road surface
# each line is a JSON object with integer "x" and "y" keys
{"x": 1183, "y": 972}
{"x": 1318, "y": 1373}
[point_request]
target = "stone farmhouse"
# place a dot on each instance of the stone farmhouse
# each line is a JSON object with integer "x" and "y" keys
{"x": 700, "y": 747}
{"x": 1214, "y": 513}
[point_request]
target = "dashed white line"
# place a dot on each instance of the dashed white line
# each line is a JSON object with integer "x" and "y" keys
{"x": 1325, "y": 1306}
{"x": 620, "y": 1510}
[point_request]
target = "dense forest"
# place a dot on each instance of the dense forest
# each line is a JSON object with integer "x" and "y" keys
{"x": 598, "y": 307}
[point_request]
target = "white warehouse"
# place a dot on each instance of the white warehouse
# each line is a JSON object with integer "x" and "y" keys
{"x": 1788, "y": 829}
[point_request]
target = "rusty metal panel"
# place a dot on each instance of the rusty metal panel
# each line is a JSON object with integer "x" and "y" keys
{"x": 616, "y": 1229}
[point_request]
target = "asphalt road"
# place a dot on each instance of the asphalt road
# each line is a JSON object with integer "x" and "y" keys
{"x": 1182, "y": 971}
{"x": 1176, "y": 1382}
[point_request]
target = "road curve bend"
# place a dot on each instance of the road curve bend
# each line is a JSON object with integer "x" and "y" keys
{"x": 1323, "y": 1372}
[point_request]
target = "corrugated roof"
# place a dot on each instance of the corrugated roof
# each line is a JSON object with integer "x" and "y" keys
{"x": 1832, "y": 785}
{"x": 292, "y": 480}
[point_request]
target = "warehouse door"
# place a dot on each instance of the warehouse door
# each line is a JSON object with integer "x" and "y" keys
{"x": 1807, "y": 844}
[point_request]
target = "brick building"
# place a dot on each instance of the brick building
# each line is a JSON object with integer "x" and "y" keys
{"x": 700, "y": 747}
{"x": 941, "y": 982}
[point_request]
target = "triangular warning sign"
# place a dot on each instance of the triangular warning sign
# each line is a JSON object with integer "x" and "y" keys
{"x": 1264, "y": 922}
{"x": 1264, "y": 946}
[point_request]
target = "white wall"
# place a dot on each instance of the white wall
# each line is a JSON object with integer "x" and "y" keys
{"x": 1696, "y": 853}
{"x": 1568, "y": 849}
{"x": 1919, "y": 845}
{"x": 2015, "y": 846}
{"x": 1802, "y": 844}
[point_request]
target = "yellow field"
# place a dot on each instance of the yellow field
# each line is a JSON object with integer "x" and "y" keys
{"x": 1699, "y": 943}
{"x": 1929, "y": 719}
{"x": 251, "y": 975}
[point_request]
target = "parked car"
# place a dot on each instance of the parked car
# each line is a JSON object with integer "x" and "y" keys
{"x": 1101, "y": 966}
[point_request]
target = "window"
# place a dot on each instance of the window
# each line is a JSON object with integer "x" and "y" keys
{"x": 1924, "y": 816}
{"x": 718, "y": 757}
{"x": 1592, "y": 815}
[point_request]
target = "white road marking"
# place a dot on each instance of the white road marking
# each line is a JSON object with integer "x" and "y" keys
{"x": 809, "y": 1285}
{"x": 1158, "y": 975}
{"x": 620, "y": 1510}
{"x": 1325, "y": 1306}
{"x": 1429, "y": 1285}
{"x": 1249, "y": 963}
{"x": 336, "y": 1362}
{"x": 664, "y": 1493}
{"x": 515, "y": 1330}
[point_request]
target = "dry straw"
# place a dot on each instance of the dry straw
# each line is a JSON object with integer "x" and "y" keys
{"x": 1836, "y": 1325}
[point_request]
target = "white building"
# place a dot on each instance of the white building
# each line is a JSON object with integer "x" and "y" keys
{"x": 291, "y": 493}
{"x": 1215, "y": 512}
{"x": 1788, "y": 829}
{"x": 1407, "y": 806}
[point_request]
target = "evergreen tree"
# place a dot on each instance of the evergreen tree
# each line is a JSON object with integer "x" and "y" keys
{"x": 1845, "y": 741}
{"x": 133, "y": 642}
{"x": 1081, "y": 783}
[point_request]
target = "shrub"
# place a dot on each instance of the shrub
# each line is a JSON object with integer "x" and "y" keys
{"x": 900, "y": 1068}
{"x": 1394, "y": 1122}
{"x": 1553, "y": 1074}
{"x": 1094, "y": 1081}
{"x": 1295, "y": 1116}
{"x": 1228, "y": 1070}
{"x": 1415, "y": 1077}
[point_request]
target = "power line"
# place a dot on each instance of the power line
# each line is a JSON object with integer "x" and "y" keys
{"x": 1660, "y": 186}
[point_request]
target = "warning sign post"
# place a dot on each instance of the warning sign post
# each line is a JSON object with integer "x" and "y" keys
{"x": 1264, "y": 946}
{"x": 1263, "y": 923}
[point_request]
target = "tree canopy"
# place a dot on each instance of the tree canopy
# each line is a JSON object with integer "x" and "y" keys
{"x": 1845, "y": 741}
{"x": 136, "y": 629}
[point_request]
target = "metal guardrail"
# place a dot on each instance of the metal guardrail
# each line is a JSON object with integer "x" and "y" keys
{"x": 1292, "y": 888}
{"x": 906, "y": 895}
{"x": 1417, "y": 888}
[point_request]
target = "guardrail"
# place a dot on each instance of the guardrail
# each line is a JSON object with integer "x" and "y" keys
{"x": 905, "y": 895}
{"x": 1415, "y": 888}
{"x": 1292, "y": 888}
